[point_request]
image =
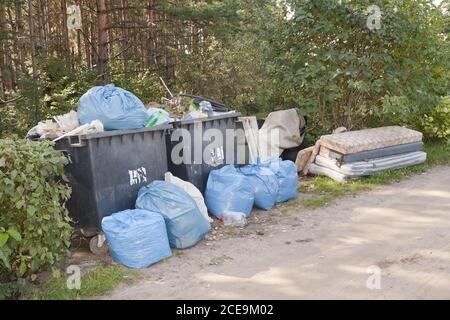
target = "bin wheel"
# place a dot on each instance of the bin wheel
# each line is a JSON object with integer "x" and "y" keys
{"x": 98, "y": 245}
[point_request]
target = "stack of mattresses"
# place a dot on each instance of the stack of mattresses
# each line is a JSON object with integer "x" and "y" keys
{"x": 352, "y": 154}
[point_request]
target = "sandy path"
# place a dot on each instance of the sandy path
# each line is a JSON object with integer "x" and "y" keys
{"x": 404, "y": 229}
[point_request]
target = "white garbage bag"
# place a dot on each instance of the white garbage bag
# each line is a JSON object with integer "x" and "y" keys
{"x": 190, "y": 189}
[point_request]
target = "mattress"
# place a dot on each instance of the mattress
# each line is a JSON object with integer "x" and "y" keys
{"x": 371, "y": 154}
{"x": 369, "y": 139}
{"x": 335, "y": 175}
{"x": 329, "y": 167}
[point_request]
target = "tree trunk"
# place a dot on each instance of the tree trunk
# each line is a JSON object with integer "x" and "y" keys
{"x": 124, "y": 33}
{"x": 20, "y": 34}
{"x": 102, "y": 20}
{"x": 33, "y": 59}
{"x": 42, "y": 27}
{"x": 5, "y": 54}
{"x": 65, "y": 32}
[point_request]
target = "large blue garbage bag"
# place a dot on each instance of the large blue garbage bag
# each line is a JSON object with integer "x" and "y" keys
{"x": 229, "y": 191}
{"x": 265, "y": 185}
{"x": 286, "y": 173}
{"x": 185, "y": 224}
{"x": 115, "y": 107}
{"x": 137, "y": 238}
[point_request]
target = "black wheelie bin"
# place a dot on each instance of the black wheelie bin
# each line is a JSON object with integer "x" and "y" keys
{"x": 107, "y": 170}
{"x": 187, "y": 136}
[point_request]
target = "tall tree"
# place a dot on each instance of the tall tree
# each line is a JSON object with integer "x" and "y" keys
{"x": 102, "y": 23}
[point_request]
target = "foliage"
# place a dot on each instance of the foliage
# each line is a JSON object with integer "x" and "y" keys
{"x": 94, "y": 283}
{"x": 437, "y": 123}
{"x": 256, "y": 56}
{"x": 228, "y": 65}
{"x": 145, "y": 85}
{"x": 330, "y": 64}
{"x": 13, "y": 290}
{"x": 59, "y": 87}
{"x": 34, "y": 223}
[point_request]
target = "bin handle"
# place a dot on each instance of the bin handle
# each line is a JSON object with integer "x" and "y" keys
{"x": 76, "y": 142}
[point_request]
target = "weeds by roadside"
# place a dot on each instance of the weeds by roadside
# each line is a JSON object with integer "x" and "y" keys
{"x": 94, "y": 283}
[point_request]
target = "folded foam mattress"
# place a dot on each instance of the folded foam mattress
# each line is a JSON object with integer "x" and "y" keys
{"x": 345, "y": 172}
{"x": 371, "y": 154}
{"x": 352, "y": 142}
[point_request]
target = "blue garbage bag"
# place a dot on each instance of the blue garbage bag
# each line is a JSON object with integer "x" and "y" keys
{"x": 286, "y": 173}
{"x": 185, "y": 224}
{"x": 115, "y": 107}
{"x": 137, "y": 238}
{"x": 228, "y": 191}
{"x": 265, "y": 185}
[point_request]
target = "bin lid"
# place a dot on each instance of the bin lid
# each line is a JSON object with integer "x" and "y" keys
{"x": 123, "y": 132}
{"x": 218, "y": 117}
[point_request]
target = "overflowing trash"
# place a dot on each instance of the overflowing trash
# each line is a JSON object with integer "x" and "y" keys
{"x": 345, "y": 155}
{"x": 63, "y": 126}
{"x": 282, "y": 130}
{"x": 232, "y": 189}
{"x": 157, "y": 117}
{"x": 174, "y": 213}
{"x": 108, "y": 108}
{"x": 47, "y": 129}
{"x": 189, "y": 107}
{"x": 228, "y": 190}
{"x": 190, "y": 189}
{"x": 185, "y": 223}
{"x": 68, "y": 122}
{"x": 115, "y": 107}
{"x": 93, "y": 127}
{"x": 171, "y": 213}
{"x": 137, "y": 238}
{"x": 265, "y": 185}
{"x": 286, "y": 173}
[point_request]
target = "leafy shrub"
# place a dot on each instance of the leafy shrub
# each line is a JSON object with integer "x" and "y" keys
{"x": 437, "y": 123}
{"x": 34, "y": 223}
{"x": 145, "y": 85}
{"x": 330, "y": 64}
{"x": 14, "y": 289}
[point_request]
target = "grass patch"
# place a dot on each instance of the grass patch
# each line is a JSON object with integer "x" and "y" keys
{"x": 94, "y": 283}
{"x": 325, "y": 190}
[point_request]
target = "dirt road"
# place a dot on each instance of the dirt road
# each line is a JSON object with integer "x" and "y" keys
{"x": 401, "y": 231}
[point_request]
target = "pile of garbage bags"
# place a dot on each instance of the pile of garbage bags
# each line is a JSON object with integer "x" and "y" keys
{"x": 168, "y": 214}
{"x": 229, "y": 191}
{"x": 137, "y": 238}
{"x": 286, "y": 174}
{"x": 238, "y": 190}
{"x": 174, "y": 214}
{"x": 171, "y": 213}
{"x": 115, "y": 107}
{"x": 185, "y": 223}
{"x": 105, "y": 108}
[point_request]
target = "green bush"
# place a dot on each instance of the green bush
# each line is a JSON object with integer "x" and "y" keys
{"x": 437, "y": 123}
{"x": 327, "y": 61}
{"x": 34, "y": 223}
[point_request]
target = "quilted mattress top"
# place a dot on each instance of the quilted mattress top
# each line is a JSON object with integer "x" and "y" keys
{"x": 369, "y": 139}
